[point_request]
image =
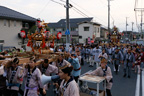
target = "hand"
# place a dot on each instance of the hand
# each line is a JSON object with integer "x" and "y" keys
{"x": 56, "y": 84}
{"x": 105, "y": 77}
{"x": 44, "y": 91}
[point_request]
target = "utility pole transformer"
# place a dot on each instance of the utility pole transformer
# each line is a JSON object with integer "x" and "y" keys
{"x": 67, "y": 25}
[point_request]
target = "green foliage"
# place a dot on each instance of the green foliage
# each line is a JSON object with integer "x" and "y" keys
{"x": 33, "y": 28}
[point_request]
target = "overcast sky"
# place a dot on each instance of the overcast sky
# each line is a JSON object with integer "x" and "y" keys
{"x": 53, "y": 12}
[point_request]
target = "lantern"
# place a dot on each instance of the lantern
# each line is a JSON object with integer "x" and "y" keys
{"x": 39, "y": 24}
{"x": 59, "y": 35}
{"x": 23, "y": 34}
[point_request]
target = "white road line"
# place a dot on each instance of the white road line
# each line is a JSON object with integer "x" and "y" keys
{"x": 137, "y": 91}
{"x": 142, "y": 83}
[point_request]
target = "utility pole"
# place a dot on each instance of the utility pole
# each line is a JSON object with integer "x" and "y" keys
{"x": 126, "y": 27}
{"x": 109, "y": 30}
{"x": 67, "y": 25}
{"x": 141, "y": 24}
{"x": 132, "y": 29}
{"x": 109, "y": 16}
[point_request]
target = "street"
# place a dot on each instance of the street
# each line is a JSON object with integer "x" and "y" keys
{"x": 121, "y": 86}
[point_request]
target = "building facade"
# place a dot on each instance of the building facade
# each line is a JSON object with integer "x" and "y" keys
{"x": 60, "y": 26}
{"x": 88, "y": 29}
{"x": 11, "y": 22}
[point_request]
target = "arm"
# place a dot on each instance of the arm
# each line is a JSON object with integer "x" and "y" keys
{"x": 108, "y": 75}
{"x": 75, "y": 61}
{"x": 70, "y": 60}
{"x": 95, "y": 72}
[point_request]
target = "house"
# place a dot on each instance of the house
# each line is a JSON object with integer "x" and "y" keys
{"x": 103, "y": 33}
{"x": 74, "y": 28}
{"x": 11, "y": 22}
{"x": 89, "y": 30}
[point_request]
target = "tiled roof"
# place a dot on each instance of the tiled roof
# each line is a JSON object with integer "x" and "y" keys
{"x": 73, "y": 22}
{"x": 8, "y": 13}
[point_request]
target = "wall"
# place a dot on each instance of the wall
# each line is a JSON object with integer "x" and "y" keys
{"x": 9, "y": 33}
{"x": 93, "y": 30}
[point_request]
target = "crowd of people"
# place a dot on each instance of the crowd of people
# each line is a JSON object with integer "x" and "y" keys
{"x": 129, "y": 57}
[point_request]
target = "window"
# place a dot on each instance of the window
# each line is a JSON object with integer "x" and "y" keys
{"x": 5, "y": 22}
{"x": 73, "y": 29}
{"x": 14, "y": 23}
{"x": 8, "y": 23}
{"x": 86, "y": 28}
{"x": 63, "y": 29}
{"x": 98, "y": 30}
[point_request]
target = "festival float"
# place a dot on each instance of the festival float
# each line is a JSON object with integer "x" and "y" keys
{"x": 114, "y": 37}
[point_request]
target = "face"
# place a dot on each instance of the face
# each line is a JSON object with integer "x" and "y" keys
{"x": 31, "y": 64}
{"x": 14, "y": 65}
{"x": 117, "y": 50}
{"x": 103, "y": 65}
{"x": 62, "y": 75}
{"x": 45, "y": 64}
{"x": 78, "y": 52}
{"x": 103, "y": 51}
{"x": 60, "y": 58}
{"x": 129, "y": 51}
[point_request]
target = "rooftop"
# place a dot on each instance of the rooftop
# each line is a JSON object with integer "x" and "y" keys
{"x": 8, "y": 13}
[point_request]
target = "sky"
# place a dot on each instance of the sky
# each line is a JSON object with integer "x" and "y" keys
{"x": 52, "y": 12}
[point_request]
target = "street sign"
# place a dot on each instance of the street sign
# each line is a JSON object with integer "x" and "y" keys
{"x": 67, "y": 32}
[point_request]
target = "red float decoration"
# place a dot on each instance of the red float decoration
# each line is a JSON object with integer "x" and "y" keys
{"x": 23, "y": 34}
{"x": 59, "y": 35}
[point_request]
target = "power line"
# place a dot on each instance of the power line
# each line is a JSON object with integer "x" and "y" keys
{"x": 63, "y": 1}
{"x": 43, "y": 9}
{"x": 87, "y": 11}
{"x": 58, "y": 3}
{"x": 79, "y": 12}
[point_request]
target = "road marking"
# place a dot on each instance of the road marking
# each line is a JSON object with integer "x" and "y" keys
{"x": 142, "y": 83}
{"x": 137, "y": 92}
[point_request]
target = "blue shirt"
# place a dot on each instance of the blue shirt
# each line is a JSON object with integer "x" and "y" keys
{"x": 75, "y": 63}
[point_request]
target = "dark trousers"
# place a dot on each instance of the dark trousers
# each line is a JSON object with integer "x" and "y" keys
{"x": 3, "y": 92}
{"x": 127, "y": 68}
{"x": 12, "y": 93}
{"x": 108, "y": 91}
{"x": 21, "y": 91}
{"x": 116, "y": 67}
{"x": 76, "y": 78}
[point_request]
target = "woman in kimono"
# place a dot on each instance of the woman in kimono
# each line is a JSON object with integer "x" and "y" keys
{"x": 33, "y": 80}
{"x": 68, "y": 86}
{"x": 103, "y": 54}
{"x": 60, "y": 62}
{"x": 14, "y": 77}
{"x": 104, "y": 71}
{"x": 48, "y": 70}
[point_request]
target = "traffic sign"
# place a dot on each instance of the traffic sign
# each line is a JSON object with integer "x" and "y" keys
{"x": 67, "y": 32}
